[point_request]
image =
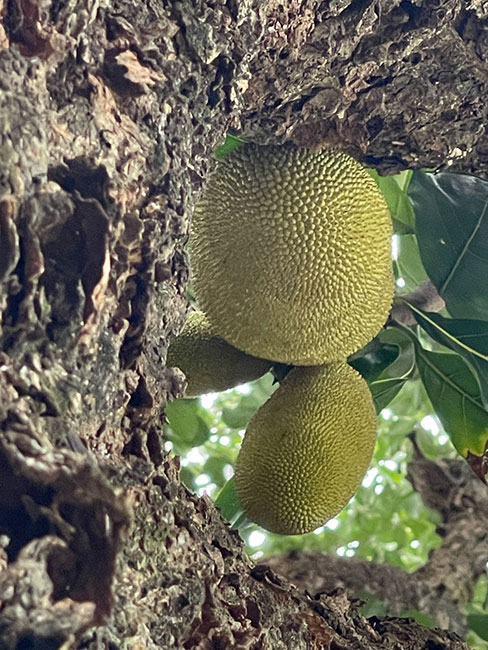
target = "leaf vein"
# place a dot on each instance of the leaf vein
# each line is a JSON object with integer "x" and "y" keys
{"x": 445, "y": 284}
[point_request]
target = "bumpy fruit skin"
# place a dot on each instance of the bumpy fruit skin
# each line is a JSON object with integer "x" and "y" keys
{"x": 209, "y": 363}
{"x": 307, "y": 449}
{"x": 291, "y": 254}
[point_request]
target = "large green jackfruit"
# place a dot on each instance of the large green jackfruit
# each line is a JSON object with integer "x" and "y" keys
{"x": 307, "y": 449}
{"x": 291, "y": 254}
{"x": 209, "y": 363}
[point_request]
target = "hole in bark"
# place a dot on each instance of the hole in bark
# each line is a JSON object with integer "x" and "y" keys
{"x": 134, "y": 447}
{"x": 11, "y": 21}
{"x": 62, "y": 567}
{"x": 433, "y": 645}
{"x": 188, "y": 87}
{"x": 78, "y": 174}
{"x": 225, "y": 551}
{"x": 182, "y": 602}
{"x": 414, "y": 58}
{"x": 413, "y": 12}
{"x": 141, "y": 398}
{"x": 161, "y": 482}
{"x": 252, "y": 613}
{"x": 55, "y": 9}
{"x": 233, "y": 9}
{"x": 449, "y": 115}
{"x": 355, "y": 7}
{"x": 153, "y": 444}
{"x": 374, "y": 126}
{"x": 113, "y": 29}
{"x": 31, "y": 642}
{"x": 116, "y": 72}
{"x": 19, "y": 502}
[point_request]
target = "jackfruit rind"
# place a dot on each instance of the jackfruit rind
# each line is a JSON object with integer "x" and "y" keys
{"x": 307, "y": 449}
{"x": 209, "y": 363}
{"x": 291, "y": 254}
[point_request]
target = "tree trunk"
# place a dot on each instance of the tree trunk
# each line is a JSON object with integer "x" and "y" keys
{"x": 109, "y": 114}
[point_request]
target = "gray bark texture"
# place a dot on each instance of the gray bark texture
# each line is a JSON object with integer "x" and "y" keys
{"x": 109, "y": 114}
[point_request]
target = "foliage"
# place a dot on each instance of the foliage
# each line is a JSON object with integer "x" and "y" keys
{"x": 477, "y": 615}
{"x": 452, "y": 231}
{"x": 431, "y": 379}
{"x": 231, "y": 143}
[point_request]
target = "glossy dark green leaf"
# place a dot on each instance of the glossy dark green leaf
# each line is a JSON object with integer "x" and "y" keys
{"x": 231, "y": 143}
{"x": 469, "y": 338}
{"x": 186, "y": 426}
{"x": 408, "y": 264}
{"x": 391, "y": 380}
{"x": 374, "y": 358}
{"x": 452, "y": 231}
{"x": 228, "y": 505}
{"x": 227, "y": 502}
{"x": 479, "y": 624}
{"x": 455, "y": 395}
{"x": 394, "y": 189}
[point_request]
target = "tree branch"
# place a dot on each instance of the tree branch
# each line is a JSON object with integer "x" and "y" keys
{"x": 425, "y": 297}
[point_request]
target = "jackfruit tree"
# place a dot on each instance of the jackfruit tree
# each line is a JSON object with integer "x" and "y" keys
{"x": 271, "y": 460}
{"x": 110, "y": 114}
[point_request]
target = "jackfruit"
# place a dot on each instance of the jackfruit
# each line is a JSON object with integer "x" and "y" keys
{"x": 306, "y": 450}
{"x": 209, "y": 363}
{"x": 290, "y": 254}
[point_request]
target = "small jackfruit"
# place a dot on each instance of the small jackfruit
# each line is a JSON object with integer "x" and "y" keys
{"x": 209, "y": 363}
{"x": 291, "y": 254}
{"x": 306, "y": 450}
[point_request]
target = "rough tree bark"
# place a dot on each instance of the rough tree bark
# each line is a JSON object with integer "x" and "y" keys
{"x": 109, "y": 114}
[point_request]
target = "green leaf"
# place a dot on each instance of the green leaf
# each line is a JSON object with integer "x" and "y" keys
{"x": 394, "y": 189}
{"x": 452, "y": 230}
{"x": 187, "y": 427}
{"x": 469, "y": 338}
{"x": 238, "y": 417}
{"x": 214, "y": 467}
{"x": 408, "y": 264}
{"x": 455, "y": 396}
{"x": 231, "y": 143}
{"x": 228, "y": 505}
{"x": 389, "y": 383}
{"x": 374, "y": 358}
{"x": 420, "y": 617}
{"x": 372, "y": 605}
{"x": 479, "y": 624}
{"x": 227, "y": 502}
